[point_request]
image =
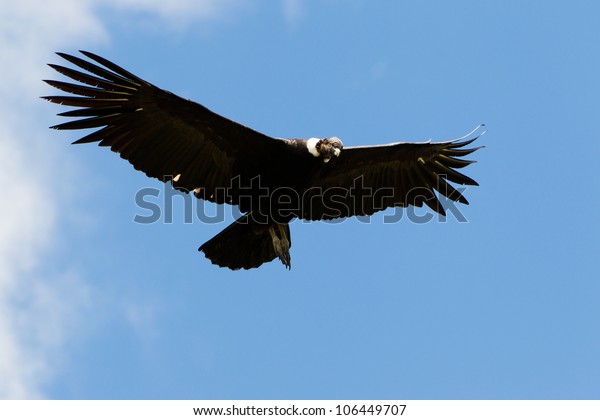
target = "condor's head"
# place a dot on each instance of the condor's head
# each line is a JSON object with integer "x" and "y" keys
{"x": 325, "y": 148}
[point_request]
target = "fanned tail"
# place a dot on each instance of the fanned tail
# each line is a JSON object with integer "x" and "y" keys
{"x": 246, "y": 244}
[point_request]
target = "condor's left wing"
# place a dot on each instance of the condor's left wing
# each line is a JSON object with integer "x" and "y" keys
{"x": 159, "y": 133}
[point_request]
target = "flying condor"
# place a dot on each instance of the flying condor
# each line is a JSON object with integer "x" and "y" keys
{"x": 272, "y": 180}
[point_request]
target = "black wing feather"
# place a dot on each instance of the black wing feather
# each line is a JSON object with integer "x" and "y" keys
{"x": 158, "y": 132}
{"x": 409, "y": 173}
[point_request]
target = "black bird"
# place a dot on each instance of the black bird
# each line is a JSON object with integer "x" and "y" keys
{"x": 272, "y": 180}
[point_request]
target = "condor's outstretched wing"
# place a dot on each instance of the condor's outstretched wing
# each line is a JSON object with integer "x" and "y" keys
{"x": 161, "y": 134}
{"x": 367, "y": 179}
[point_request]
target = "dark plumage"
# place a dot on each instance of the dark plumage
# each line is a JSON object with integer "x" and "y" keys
{"x": 272, "y": 180}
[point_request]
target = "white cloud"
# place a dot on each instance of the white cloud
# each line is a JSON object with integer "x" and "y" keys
{"x": 293, "y": 12}
{"x": 178, "y": 11}
{"x": 35, "y": 317}
{"x": 378, "y": 70}
{"x": 34, "y": 313}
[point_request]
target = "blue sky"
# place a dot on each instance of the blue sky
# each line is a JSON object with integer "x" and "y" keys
{"x": 505, "y": 305}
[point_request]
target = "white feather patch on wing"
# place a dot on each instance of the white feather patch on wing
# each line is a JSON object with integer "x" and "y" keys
{"x": 311, "y": 144}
